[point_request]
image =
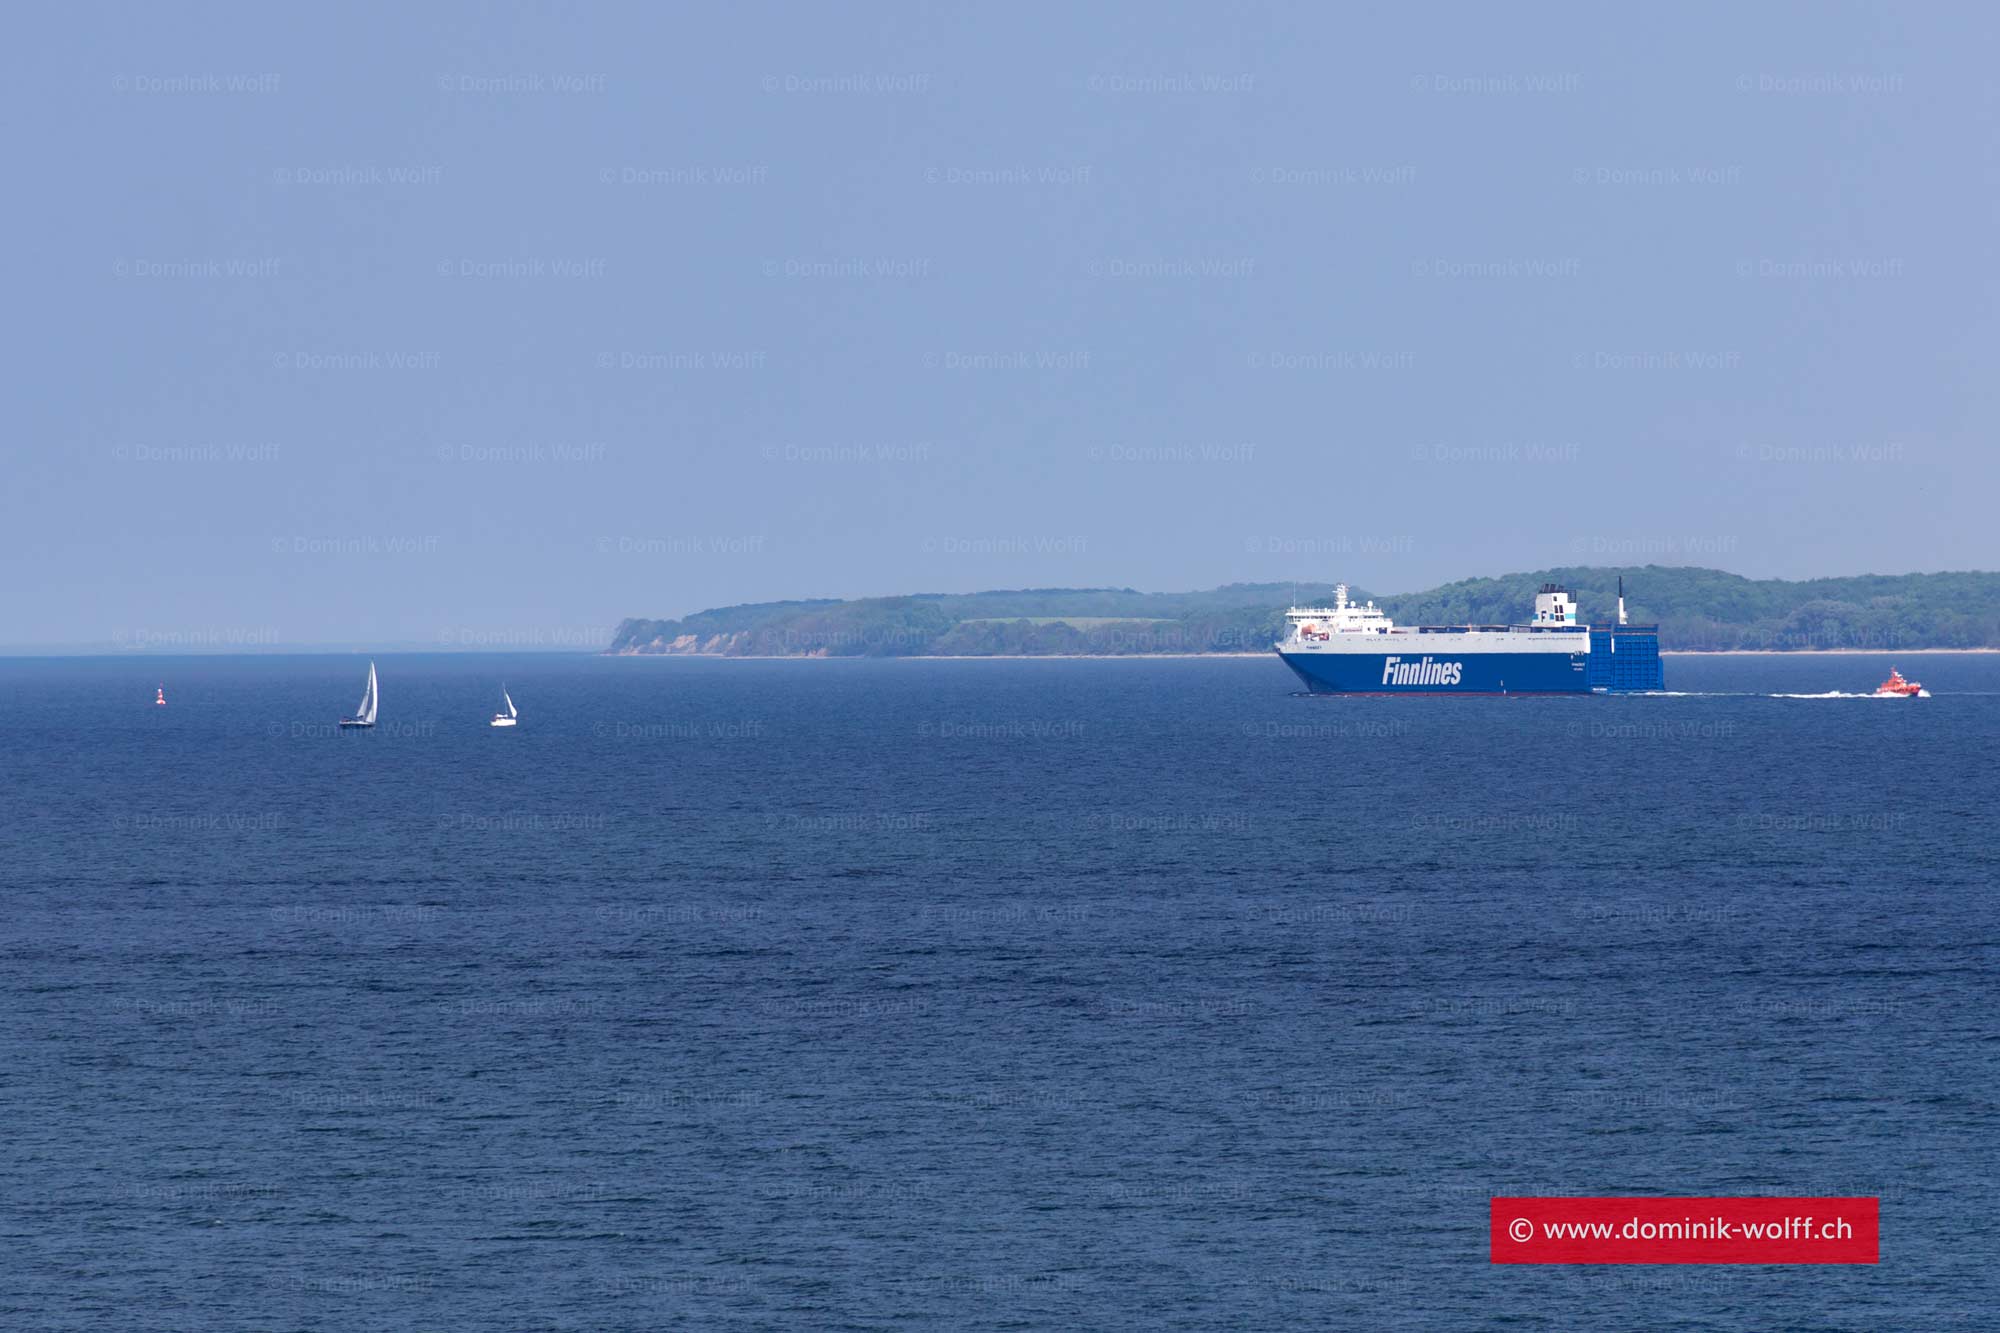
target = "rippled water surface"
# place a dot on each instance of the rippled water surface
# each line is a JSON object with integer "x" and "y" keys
{"x": 991, "y": 994}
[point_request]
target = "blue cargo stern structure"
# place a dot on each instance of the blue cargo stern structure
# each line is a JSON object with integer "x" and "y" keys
{"x": 1625, "y": 659}
{"x": 1354, "y": 648}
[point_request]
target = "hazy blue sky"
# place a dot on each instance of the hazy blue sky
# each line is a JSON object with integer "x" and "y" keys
{"x": 492, "y": 325}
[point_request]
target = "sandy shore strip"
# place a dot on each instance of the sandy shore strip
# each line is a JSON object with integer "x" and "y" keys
{"x": 1822, "y": 652}
{"x": 1159, "y": 657}
{"x": 938, "y": 657}
{"x": 1156, "y": 657}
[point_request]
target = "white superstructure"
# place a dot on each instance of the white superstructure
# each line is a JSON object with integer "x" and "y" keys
{"x": 1318, "y": 624}
{"x": 1554, "y": 607}
{"x": 1350, "y": 627}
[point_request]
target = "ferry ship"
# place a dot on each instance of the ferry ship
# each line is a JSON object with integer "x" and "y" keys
{"x": 1354, "y": 648}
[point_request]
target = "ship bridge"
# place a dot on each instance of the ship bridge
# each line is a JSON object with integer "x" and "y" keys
{"x": 1343, "y": 617}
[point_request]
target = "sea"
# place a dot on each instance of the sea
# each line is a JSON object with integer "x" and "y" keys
{"x": 1009, "y": 994}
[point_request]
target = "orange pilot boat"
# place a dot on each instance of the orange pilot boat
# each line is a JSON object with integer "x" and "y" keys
{"x": 1897, "y": 688}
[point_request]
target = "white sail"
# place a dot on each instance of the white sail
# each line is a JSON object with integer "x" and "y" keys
{"x": 370, "y": 698}
{"x": 511, "y": 710}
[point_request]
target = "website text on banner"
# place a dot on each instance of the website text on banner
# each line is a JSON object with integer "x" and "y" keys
{"x": 1702, "y": 1230}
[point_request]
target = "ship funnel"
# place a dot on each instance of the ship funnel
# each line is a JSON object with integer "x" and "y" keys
{"x": 1621, "y": 599}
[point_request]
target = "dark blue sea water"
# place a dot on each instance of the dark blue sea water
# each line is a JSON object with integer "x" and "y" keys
{"x": 988, "y": 994}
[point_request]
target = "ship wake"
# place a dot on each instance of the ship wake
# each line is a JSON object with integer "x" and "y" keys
{"x": 1844, "y": 694}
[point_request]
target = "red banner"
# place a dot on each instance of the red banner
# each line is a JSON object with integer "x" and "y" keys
{"x": 1685, "y": 1231}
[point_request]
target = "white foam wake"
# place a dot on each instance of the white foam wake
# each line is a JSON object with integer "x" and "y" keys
{"x": 1843, "y": 694}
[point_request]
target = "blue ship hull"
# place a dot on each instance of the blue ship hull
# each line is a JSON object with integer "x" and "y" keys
{"x": 1442, "y": 673}
{"x": 1332, "y": 648}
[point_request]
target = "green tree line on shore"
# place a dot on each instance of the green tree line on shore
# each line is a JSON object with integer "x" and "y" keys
{"x": 1694, "y": 608}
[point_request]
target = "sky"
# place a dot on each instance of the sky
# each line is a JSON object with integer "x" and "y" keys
{"x": 488, "y": 326}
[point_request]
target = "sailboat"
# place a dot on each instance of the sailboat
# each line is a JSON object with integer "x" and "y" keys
{"x": 364, "y": 716}
{"x": 506, "y": 719}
